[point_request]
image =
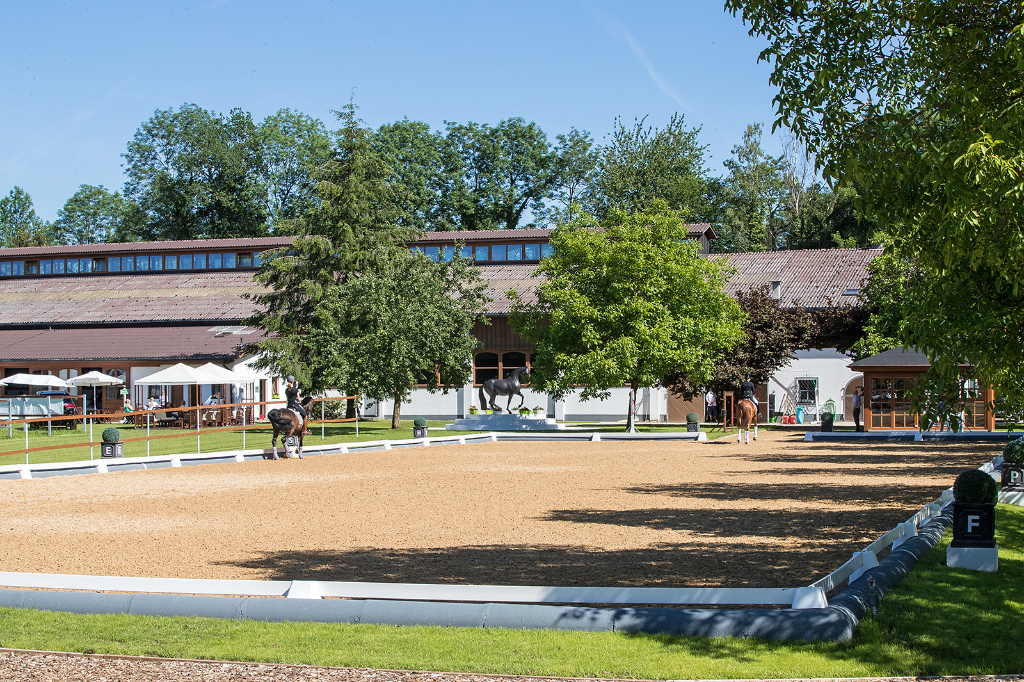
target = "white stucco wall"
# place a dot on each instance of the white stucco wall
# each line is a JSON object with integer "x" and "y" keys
{"x": 827, "y": 365}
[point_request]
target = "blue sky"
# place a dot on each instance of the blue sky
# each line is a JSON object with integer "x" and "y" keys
{"x": 78, "y": 78}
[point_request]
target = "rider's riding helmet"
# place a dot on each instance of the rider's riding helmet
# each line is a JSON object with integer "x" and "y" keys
{"x": 291, "y": 379}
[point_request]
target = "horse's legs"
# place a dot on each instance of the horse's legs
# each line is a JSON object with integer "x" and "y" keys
{"x": 301, "y": 435}
{"x": 522, "y": 399}
{"x": 739, "y": 430}
{"x": 755, "y": 430}
{"x": 274, "y": 444}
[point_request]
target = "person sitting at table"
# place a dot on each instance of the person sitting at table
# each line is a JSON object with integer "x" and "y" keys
{"x": 128, "y": 410}
{"x": 153, "y": 404}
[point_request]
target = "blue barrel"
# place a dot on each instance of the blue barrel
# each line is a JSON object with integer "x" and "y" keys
{"x": 799, "y": 415}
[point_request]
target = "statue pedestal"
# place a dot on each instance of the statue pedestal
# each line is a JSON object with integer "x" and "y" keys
{"x": 504, "y": 422}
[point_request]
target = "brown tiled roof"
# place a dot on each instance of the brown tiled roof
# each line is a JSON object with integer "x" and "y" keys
{"x": 104, "y": 299}
{"x": 253, "y": 243}
{"x": 195, "y": 342}
{"x": 694, "y": 230}
{"x": 810, "y": 278}
{"x": 501, "y": 278}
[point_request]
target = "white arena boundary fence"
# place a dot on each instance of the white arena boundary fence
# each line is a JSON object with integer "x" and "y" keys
{"x": 805, "y": 613}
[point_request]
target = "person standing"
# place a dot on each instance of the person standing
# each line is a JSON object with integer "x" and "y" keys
{"x": 712, "y": 402}
{"x": 856, "y": 409}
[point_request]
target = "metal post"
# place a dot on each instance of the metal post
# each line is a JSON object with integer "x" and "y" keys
{"x": 147, "y": 434}
{"x": 25, "y": 424}
{"x": 357, "y": 417}
{"x": 49, "y": 413}
{"x": 321, "y": 420}
{"x": 92, "y": 454}
{"x": 199, "y": 418}
{"x": 244, "y": 410}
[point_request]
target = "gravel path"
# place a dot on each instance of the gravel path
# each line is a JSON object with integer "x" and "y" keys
{"x": 24, "y": 666}
{"x": 775, "y": 513}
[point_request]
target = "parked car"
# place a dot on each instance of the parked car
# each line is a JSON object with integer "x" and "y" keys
{"x": 69, "y": 403}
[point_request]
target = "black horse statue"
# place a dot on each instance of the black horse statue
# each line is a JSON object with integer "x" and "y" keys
{"x": 501, "y": 387}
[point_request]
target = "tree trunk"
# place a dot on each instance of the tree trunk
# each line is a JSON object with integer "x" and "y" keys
{"x": 397, "y": 412}
{"x": 350, "y": 408}
{"x": 630, "y": 425}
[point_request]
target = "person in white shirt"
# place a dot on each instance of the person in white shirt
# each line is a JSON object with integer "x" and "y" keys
{"x": 856, "y": 408}
{"x": 712, "y": 406}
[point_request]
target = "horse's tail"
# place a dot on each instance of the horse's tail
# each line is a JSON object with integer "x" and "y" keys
{"x": 279, "y": 420}
{"x": 483, "y": 400}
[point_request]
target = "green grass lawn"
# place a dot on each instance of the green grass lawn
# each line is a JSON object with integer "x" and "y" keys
{"x": 12, "y": 450}
{"x": 938, "y": 621}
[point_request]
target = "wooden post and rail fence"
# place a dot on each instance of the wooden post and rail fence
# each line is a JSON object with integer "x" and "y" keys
{"x": 227, "y": 417}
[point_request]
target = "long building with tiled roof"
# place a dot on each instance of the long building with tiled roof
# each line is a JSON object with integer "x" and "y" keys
{"x": 128, "y": 309}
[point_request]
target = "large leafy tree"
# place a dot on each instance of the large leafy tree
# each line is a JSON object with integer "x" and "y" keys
{"x": 770, "y": 335}
{"x": 642, "y": 164}
{"x": 626, "y": 305}
{"x": 920, "y": 101}
{"x": 94, "y": 215}
{"x": 294, "y": 148}
{"x": 419, "y": 176}
{"x": 496, "y": 173}
{"x": 355, "y": 220}
{"x": 401, "y": 320}
{"x": 197, "y": 175}
{"x": 19, "y": 224}
{"x": 755, "y": 198}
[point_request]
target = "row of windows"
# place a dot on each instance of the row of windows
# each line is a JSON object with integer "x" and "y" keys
{"x": 80, "y": 266}
{"x": 500, "y": 253}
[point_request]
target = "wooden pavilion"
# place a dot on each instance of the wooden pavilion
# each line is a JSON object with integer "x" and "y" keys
{"x": 890, "y": 377}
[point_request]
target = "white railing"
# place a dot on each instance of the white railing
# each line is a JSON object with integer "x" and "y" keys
{"x": 102, "y": 466}
{"x": 868, "y": 557}
{"x": 800, "y": 597}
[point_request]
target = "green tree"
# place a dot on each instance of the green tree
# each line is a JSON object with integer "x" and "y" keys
{"x": 496, "y": 173}
{"x": 920, "y": 101}
{"x": 770, "y": 335}
{"x": 399, "y": 321}
{"x": 354, "y": 221}
{"x": 626, "y": 305}
{"x": 19, "y": 224}
{"x": 295, "y": 147}
{"x": 755, "y": 217}
{"x": 197, "y": 175}
{"x": 577, "y": 158}
{"x": 415, "y": 155}
{"x": 93, "y": 215}
{"x": 642, "y": 164}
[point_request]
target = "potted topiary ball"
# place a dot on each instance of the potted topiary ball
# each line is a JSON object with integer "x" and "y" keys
{"x": 828, "y": 420}
{"x": 692, "y": 422}
{"x": 1013, "y": 466}
{"x": 419, "y": 427}
{"x": 111, "y": 445}
{"x": 974, "y": 515}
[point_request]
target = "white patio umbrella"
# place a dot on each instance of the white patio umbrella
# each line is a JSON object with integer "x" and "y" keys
{"x": 48, "y": 380}
{"x": 179, "y": 375}
{"x": 95, "y": 379}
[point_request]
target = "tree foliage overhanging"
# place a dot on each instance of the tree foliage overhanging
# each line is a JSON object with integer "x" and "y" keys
{"x": 919, "y": 101}
{"x": 626, "y": 304}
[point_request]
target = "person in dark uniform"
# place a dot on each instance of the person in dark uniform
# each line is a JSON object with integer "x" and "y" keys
{"x": 747, "y": 392}
{"x": 292, "y": 394}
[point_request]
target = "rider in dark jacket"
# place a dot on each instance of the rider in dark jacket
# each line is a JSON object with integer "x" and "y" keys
{"x": 291, "y": 392}
{"x": 747, "y": 391}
